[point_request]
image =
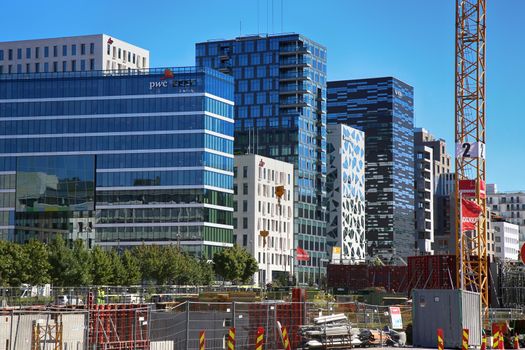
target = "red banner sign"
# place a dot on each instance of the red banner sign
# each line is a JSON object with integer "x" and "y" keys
{"x": 468, "y": 188}
{"x": 301, "y": 254}
{"x": 470, "y": 214}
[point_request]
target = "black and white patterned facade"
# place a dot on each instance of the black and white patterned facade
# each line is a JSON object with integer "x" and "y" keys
{"x": 346, "y": 192}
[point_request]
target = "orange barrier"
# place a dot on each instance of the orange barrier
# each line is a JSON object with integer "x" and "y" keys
{"x": 286, "y": 339}
{"x": 202, "y": 340}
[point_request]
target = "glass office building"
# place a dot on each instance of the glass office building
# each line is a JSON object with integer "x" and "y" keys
{"x": 280, "y": 112}
{"x": 118, "y": 159}
{"x": 384, "y": 109}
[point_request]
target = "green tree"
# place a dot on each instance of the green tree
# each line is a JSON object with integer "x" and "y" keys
{"x": 62, "y": 262}
{"x": 206, "y": 273}
{"x": 101, "y": 267}
{"x": 13, "y": 264}
{"x": 81, "y": 266}
{"x": 151, "y": 264}
{"x": 118, "y": 271}
{"x": 235, "y": 264}
{"x": 131, "y": 267}
{"x": 38, "y": 268}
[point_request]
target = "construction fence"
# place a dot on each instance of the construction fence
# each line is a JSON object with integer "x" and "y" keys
{"x": 141, "y": 327}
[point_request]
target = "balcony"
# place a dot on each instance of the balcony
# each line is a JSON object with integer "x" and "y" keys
{"x": 292, "y": 102}
{"x": 289, "y": 89}
{"x": 292, "y": 50}
{"x": 295, "y": 62}
{"x": 292, "y": 76}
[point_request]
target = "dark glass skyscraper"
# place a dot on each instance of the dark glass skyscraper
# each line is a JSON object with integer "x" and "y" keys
{"x": 384, "y": 109}
{"x": 118, "y": 158}
{"x": 280, "y": 112}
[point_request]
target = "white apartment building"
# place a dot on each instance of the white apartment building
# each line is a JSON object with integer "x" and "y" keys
{"x": 509, "y": 205}
{"x": 259, "y": 211}
{"x": 506, "y": 239}
{"x": 71, "y": 54}
{"x": 424, "y": 198}
{"x": 345, "y": 187}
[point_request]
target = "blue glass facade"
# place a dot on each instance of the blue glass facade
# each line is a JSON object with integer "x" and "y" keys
{"x": 384, "y": 109}
{"x": 280, "y": 112}
{"x": 118, "y": 159}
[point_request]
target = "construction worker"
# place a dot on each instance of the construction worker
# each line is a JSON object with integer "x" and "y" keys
{"x": 101, "y": 296}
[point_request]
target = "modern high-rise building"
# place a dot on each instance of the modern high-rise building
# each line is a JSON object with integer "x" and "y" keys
{"x": 71, "y": 54}
{"x": 509, "y": 205}
{"x": 120, "y": 159}
{"x": 384, "y": 109}
{"x": 345, "y": 187}
{"x": 432, "y": 189}
{"x": 260, "y": 211}
{"x": 280, "y": 112}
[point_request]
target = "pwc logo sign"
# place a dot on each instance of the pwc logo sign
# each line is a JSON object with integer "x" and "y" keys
{"x": 168, "y": 74}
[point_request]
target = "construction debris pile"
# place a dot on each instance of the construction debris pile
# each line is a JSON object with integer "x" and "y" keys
{"x": 336, "y": 332}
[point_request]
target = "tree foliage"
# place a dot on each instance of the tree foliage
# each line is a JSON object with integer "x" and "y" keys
{"x": 235, "y": 264}
{"x": 69, "y": 264}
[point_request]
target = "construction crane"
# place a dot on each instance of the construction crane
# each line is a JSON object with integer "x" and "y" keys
{"x": 471, "y": 245}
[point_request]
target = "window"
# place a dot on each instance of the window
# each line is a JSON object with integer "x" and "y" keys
{"x": 1, "y": 69}
{"x": 46, "y": 51}
{"x": 28, "y": 52}
{"x": 19, "y": 54}
{"x": 91, "y": 48}
{"x": 10, "y": 54}
{"x": 245, "y": 171}
{"x": 64, "y": 50}
{"x": 133, "y": 58}
{"x": 55, "y": 66}
{"x": 37, "y": 52}
{"x": 73, "y": 50}
{"x": 73, "y": 66}
{"x": 234, "y": 171}
{"x": 10, "y": 68}
{"x": 37, "y": 67}
{"x": 245, "y": 222}
{"x": 55, "y": 51}
{"x": 64, "y": 66}
{"x": 245, "y": 240}
{"x": 244, "y": 205}
{"x": 119, "y": 53}
{"x": 244, "y": 188}
{"x": 82, "y": 49}
{"x": 92, "y": 64}
{"x": 1, "y": 55}
{"x": 109, "y": 50}
{"x": 28, "y": 68}
{"x": 129, "y": 56}
{"x": 46, "y": 67}
{"x": 82, "y": 65}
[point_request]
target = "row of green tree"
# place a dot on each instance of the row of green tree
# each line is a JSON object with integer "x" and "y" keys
{"x": 73, "y": 264}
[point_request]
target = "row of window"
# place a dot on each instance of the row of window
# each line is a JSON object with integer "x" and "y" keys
{"x": 168, "y": 159}
{"x": 153, "y": 215}
{"x": 47, "y": 67}
{"x": 126, "y": 56}
{"x": 114, "y": 106}
{"x": 120, "y": 142}
{"x": 164, "y": 178}
{"x": 46, "y": 51}
{"x": 95, "y": 125}
{"x": 165, "y": 196}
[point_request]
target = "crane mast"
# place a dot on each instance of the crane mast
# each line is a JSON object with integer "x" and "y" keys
{"x": 471, "y": 246}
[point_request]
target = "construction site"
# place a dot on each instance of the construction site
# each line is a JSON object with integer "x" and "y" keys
{"x": 459, "y": 301}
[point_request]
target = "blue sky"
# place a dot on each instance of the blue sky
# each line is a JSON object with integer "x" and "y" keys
{"x": 412, "y": 40}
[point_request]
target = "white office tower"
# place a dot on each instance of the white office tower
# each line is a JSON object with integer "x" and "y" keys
{"x": 346, "y": 194}
{"x": 71, "y": 54}
{"x": 260, "y": 212}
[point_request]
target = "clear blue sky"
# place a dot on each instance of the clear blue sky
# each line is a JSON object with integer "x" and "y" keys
{"x": 412, "y": 40}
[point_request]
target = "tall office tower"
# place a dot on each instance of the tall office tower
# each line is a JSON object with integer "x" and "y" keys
{"x": 384, "y": 109}
{"x": 345, "y": 187}
{"x": 432, "y": 190}
{"x": 70, "y": 54}
{"x": 509, "y": 205}
{"x": 280, "y": 112}
{"x": 263, "y": 220}
{"x": 118, "y": 160}
{"x": 444, "y": 239}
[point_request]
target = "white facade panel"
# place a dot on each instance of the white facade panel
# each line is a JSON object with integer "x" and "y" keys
{"x": 346, "y": 193}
